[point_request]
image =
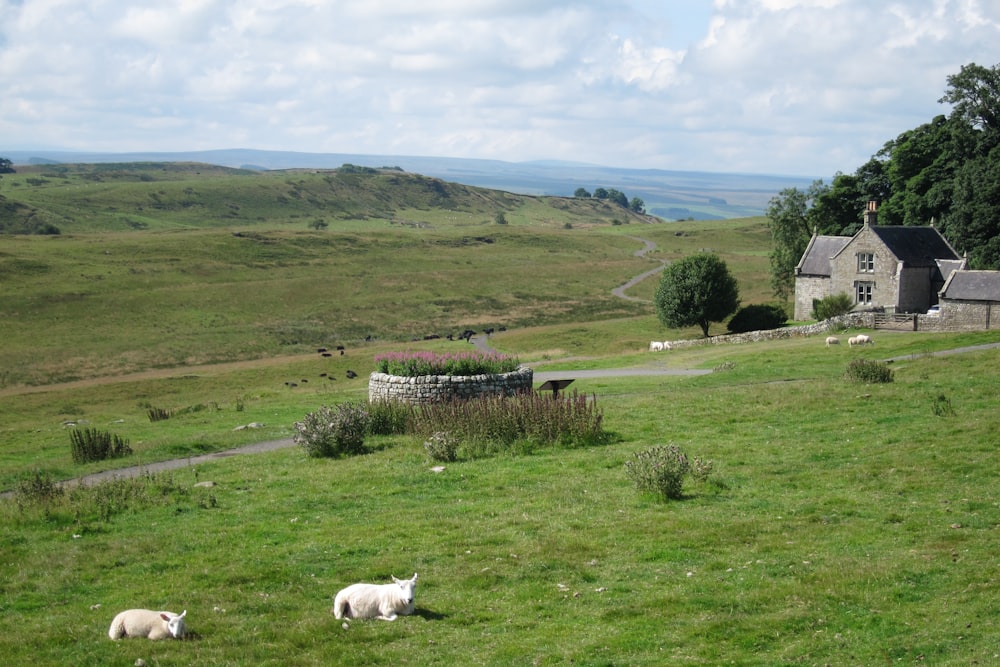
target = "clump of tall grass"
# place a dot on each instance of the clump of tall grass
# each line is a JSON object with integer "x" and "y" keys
{"x": 661, "y": 470}
{"x": 412, "y": 364}
{"x": 40, "y": 497}
{"x": 158, "y": 414}
{"x": 389, "y": 417}
{"x": 868, "y": 371}
{"x": 89, "y": 444}
{"x": 489, "y": 425}
{"x": 333, "y": 431}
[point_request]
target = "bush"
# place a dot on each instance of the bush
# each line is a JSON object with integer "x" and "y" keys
{"x": 442, "y": 446}
{"x": 868, "y": 371}
{"x": 412, "y": 364}
{"x": 89, "y": 444}
{"x": 832, "y": 306}
{"x": 661, "y": 470}
{"x": 333, "y": 432}
{"x": 759, "y": 317}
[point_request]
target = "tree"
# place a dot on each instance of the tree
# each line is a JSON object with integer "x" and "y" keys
{"x": 696, "y": 290}
{"x": 618, "y": 197}
{"x": 637, "y": 205}
{"x": 600, "y": 193}
{"x": 582, "y": 193}
{"x": 790, "y": 230}
{"x": 6, "y": 166}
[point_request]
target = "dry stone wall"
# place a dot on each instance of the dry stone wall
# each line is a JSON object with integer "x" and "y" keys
{"x": 435, "y": 388}
{"x": 851, "y": 320}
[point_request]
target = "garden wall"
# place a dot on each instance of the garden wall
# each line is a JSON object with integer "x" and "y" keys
{"x": 434, "y": 388}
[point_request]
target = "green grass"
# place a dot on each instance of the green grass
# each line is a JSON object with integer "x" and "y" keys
{"x": 843, "y": 523}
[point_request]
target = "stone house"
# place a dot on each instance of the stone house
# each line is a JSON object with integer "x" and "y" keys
{"x": 891, "y": 268}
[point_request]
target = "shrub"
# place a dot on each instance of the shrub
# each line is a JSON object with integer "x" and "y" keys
{"x": 412, "y": 364}
{"x": 39, "y": 488}
{"x": 442, "y": 446}
{"x": 759, "y": 317}
{"x": 868, "y": 371}
{"x": 832, "y": 306}
{"x": 333, "y": 432}
{"x": 89, "y": 444}
{"x": 661, "y": 470}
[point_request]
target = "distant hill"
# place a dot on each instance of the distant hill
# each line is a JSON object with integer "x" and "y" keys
{"x": 671, "y": 195}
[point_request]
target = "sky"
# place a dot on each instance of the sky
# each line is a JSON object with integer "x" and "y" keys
{"x": 787, "y": 87}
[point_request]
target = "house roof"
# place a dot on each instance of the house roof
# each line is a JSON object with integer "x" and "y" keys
{"x": 915, "y": 246}
{"x": 816, "y": 259}
{"x": 972, "y": 286}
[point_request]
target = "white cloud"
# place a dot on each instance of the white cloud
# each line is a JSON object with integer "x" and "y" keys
{"x": 773, "y": 86}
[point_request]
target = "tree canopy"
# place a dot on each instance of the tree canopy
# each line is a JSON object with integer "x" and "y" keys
{"x": 698, "y": 289}
{"x": 945, "y": 172}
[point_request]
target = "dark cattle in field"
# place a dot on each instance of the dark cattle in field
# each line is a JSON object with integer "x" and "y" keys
{"x": 321, "y": 350}
{"x": 351, "y": 375}
{"x": 327, "y": 354}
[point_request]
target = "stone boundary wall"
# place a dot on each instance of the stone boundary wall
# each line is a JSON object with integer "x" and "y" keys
{"x": 435, "y": 388}
{"x": 856, "y": 320}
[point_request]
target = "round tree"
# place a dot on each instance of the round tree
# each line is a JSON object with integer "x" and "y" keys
{"x": 696, "y": 290}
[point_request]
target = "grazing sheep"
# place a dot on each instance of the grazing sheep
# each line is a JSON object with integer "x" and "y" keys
{"x": 655, "y": 346}
{"x": 149, "y": 624}
{"x": 860, "y": 339}
{"x": 832, "y": 340}
{"x": 667, "y": 345}
{"x": 351, "y": 375}
{"x": 382, "y": 601}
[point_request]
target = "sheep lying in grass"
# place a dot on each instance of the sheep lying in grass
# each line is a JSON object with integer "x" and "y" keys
{"x": 382, "y": 601}
{"x": 149, "y": 624}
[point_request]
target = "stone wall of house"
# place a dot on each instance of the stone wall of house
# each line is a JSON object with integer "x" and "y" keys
{"x": 885, "y": 274}
{"x": 435, "y": 388}
{"x": 807, "y": 289}
{"x": 959, "y": 315}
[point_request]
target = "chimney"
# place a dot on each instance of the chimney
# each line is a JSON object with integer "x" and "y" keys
{"x": 871, "y": 213}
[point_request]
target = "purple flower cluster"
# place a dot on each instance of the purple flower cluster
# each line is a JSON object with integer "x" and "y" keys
{"x": 410, "y": 364}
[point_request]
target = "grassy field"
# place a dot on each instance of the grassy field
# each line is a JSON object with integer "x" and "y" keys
{"x": 844, "y": 524}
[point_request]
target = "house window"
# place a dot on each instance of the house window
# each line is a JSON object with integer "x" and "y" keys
{"x": 866, "y": 262}
{"x": 865, "y": 292}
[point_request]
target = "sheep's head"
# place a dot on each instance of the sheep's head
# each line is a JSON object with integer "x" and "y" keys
{"x": 175, "y": 624}
{"x": 407, "y": 587}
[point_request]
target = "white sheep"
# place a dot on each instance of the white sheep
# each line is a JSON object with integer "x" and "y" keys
{"x": 860, "y": 339}
{"x": 382, "y": 601}
{"x": 655, "y": 346}
{"x": 149, "y": 624}
{"x": 832, "y": 340}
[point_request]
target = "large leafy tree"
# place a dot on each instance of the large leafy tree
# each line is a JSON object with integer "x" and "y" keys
{"x": 698, "y": 289}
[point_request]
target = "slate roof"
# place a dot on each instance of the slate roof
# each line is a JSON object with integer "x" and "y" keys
{"x": 972, "y": 286}
{"x": 915, "y": 246}
{"x": 816, "y": 259}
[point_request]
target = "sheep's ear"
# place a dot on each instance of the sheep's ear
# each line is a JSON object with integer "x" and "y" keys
{"x": 414, "y": 577}
{"x": 164, "y": 617}
{"x": 183, "y": 614}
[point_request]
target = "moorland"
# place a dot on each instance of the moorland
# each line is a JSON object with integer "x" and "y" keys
{"x": 842, "y": 524}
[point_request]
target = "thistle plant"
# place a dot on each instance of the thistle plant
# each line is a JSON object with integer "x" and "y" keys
{"x": 661, "y": 470}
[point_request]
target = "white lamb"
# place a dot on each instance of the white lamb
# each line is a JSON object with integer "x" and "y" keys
{"x": 832, "y": 340}
{"x": 655, "y": 346}
{"x": 382, "y": 601}
{"x": 149, "y": 624}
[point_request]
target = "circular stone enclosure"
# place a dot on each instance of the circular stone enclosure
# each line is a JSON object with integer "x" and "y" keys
{"x": 437, "y": 388}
